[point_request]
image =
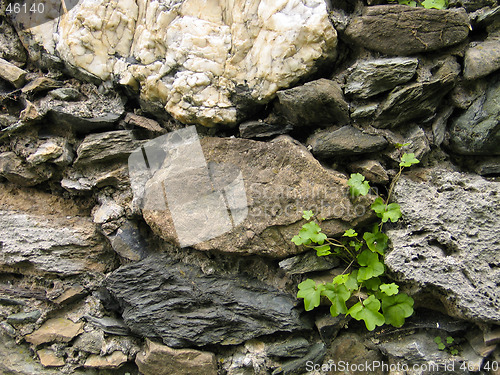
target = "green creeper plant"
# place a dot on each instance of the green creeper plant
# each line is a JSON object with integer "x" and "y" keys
{"x": 428, "y": 4}
{"x": 449, "y": 344}
{"x": 378, "y": 301}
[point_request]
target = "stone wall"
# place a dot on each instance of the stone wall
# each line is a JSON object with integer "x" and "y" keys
{"x": 287, "y": 98}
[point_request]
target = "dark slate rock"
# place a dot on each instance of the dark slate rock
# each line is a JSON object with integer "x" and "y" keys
{"x": 161, "y": 297}
{"x": 24, "y": 317}
{"x": 129, "y": 243}
{"x": 259, "y": 129}
{"x": 415, "y": 101}
{"x": 421, "y": 349}
{"x": 298, "y": 366}
{"x": 308, "y": 262}
{"x": 482, "y": 58}
{"x": 104, "y": 147}
{"x": 449, "y": 240}
{"x": 65, "y": 94}
{"x": 404, "y": 30}
{"x": 292, "y": 347}
{"x": 369, "y": 78}
{"x": 477, "y": 131}
{"x": 344, "y": 141}
{"x": 109, "y": 325}
{"x": 316, "y": 103}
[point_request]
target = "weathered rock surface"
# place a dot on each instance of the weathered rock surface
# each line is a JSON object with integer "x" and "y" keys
{"x": 319, "y": 103}
{"x": 403, "y": 30}
{"x": 11, "y": 48}
{"x": 105, "y": 147}
{"x": 53, "y": 243}
{"x": 281, "y": 180}
{"x": 369, "y": 78}
{"x": 420, "y": 348}
{"x": 55, "y": 330}
{"x": 200, "y": 62}
{"x": 158, "y": 359}
{"x": 450, "y": 241}
{"x": 260, "y": 129}
{"x": 344, "y": 141}
{"x": 12, "y": 73}
{"x": 372, "y": 170}
{"x": 477, "y": 130}
{"x": 112, "y": 361}
{"x": 15, "y": 170}
{"x": 482, "y": 59}
{"x": 49, "y": 359}
{"x": 415, "y": 101}
{"x": 164, "y": 298}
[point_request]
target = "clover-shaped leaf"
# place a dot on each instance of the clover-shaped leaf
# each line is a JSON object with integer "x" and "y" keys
{"x": 373, "y": 283}
{"x": 387, "y": 212}
{"x": 389, "y": 289}
{"x": 350, "y": 233}
{"x": 407, "y": 160}
{"x": 311, "y": 293}
{"x": 338, "y": 295}
{"x": 358, "y": 185}
{"x": 368, "y": 310}
{"x": 396, "y": 308}
{"x": 323, "y": 250}
{"x": 373, "y": 267}
{"x": 308, "y": 215}
{"x": 376, "y": 242}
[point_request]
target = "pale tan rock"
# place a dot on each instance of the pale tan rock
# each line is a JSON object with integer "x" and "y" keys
{"x": 112, "y": 361}
{"x": 158, "y": 359}
{"x": 55, "y": 330}
{"x": 12, "y": 73}
{"x": 194, "y": 56}
{"x": 49, "y": 359}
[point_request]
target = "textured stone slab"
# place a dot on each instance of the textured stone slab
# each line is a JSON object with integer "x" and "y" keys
{"x": 404, "y": 30}
{"x": 449, "y": 243}
{"x": 369, "y": 78}
{"x": 281, "y": 180}
{"x": 183, "y": 306}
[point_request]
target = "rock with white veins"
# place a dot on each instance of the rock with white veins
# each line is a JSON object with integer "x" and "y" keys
{"x": 205, "y": 63}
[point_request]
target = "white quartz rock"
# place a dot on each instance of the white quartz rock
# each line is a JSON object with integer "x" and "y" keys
{"x": 194, "y": 56}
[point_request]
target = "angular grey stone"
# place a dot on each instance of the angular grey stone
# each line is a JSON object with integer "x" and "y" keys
{"x": 308, "y": 262}
{"x": 24, "y": 317}
{"x": 372, "y": 170}
{"x": 66, "y": 94}
{"x": 439, "y": 125}
{"x": 105, "y": 147}
{"x": 485, "y": 166}
{"x": 369, "y": 78}
{"x": 12, "y": 73}
{"x": 477, "y": 131}
{"x": 11, "y": 48}
{"x": 364, "y": 111}
{"x": 13, "y": 169}
{"x": 161, "y": 297}
{"x": 109, "y": 325}
{"x": 96, "y": 113}
{"x": 259, "y": 129}
{"x": 275, "y": 197}
{"x": 344, "y": 141}
{"x": 33, "y": 244}
{"x": 403, "y": 30}
{"x": 450, "y": 240}
{"x": 329, "y": 326}
{"x": 293, "y": 347}
{"x": 420, "y": 348}
{"x": 298, "y": 366}
{"x": 415, "y": 101}
{"x": 129, "y": 243}
{"x": 316, "y": 103}
{"x": 482, "y": 58}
